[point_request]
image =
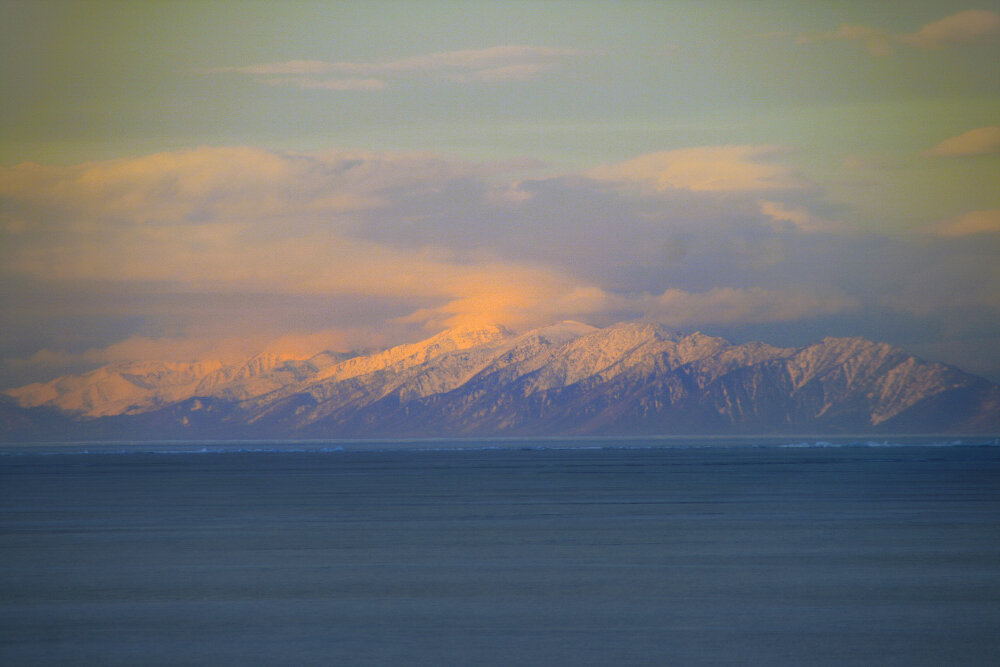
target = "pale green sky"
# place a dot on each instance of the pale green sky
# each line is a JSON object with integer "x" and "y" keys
{"x": 92, "y": 80}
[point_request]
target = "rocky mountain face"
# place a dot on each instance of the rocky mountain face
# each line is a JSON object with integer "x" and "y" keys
{"x": 565, "y": 379}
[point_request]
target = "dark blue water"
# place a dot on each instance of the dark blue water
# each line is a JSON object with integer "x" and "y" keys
{"x": 506, "y": 556}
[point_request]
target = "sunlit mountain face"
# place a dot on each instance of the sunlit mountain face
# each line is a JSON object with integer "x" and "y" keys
{"x": 267, "y": 213}
{"x": 564, "y": 379}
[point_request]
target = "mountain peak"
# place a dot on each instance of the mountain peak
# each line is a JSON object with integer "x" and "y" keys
{"x": 565, "y": 378}
{"x": 637, "y": 332}
{"x": 468, "y": 335}
{"x": 562, "y": 331}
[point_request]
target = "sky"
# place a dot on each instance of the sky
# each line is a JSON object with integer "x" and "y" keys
{"x": 211, "y": 179}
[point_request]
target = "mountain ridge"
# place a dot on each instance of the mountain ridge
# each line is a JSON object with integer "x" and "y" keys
{"x": 564, "y": 379}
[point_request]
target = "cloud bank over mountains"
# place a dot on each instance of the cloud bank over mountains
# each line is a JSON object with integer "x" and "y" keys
{"x": 206, "y": 252}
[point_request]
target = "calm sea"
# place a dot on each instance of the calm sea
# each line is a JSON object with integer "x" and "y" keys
{"x": 554, "y": 552}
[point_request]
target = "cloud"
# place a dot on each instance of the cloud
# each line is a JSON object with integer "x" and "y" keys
{"x": 967, "y": 26}
{"x": 247, "y": 221}
{"x": 505, "y": 73}
{"x": 723, "y": 305}
{"x": 313, "y": 83}
{"x": 971, "y": 223}
{"x": 216, "y": 185}
{"x": 800, "y": 217}
{"x": 228, "y": 350}
{"x": 961, "y": 28}
{"x": 471, "y": 59}
{"x": 980, "y": 141}
{"x": 493, "y": 64}
{"x": 875, "y": 41}
{"x": 674, "y": 307}
{"x": 706, "y": 168}
{"x": 219, "y": 250}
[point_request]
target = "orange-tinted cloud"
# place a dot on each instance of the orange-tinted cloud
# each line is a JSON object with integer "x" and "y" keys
{"x": 251, "y": 221}
{"x": 961, "y": 28}
{"x": 706, "y": 169}
{"x": 980, "y": 141}
{"x": 315, "y": 83}
{"x": 876, "y": 42}
{"x": 206, "y": 253}
{"x": 968, "y": 26}
{"x": 973, "y": 222}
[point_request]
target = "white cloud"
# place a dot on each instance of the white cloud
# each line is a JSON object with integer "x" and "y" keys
{"x": 980, "y": 141}
{"x": 800, "y": 217}
{"x": 493, "y": 64}
{"x": 498, "y": 74}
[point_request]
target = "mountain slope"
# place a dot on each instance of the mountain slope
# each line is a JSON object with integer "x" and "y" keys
{"x": 121, "y": 388}
{"x": 568, "y": 378}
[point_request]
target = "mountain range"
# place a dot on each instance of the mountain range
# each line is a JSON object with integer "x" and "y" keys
{"x": 566, "y": 379}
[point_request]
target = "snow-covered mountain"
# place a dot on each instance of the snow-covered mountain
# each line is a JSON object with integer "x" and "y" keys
{"x": 569, "y": 378}
{"x": 120, "y": 388}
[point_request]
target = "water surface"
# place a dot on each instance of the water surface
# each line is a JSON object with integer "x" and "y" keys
{"x": 499, "y": 553}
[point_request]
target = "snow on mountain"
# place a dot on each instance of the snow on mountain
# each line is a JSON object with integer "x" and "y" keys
{"x": 262, "y": 374}
{"x": 121, "y": 388}
{"x": 405, "y": 356}
{"x": 599, "y": 350}
{"x": 890, "y": 380}
{"x": 634, "y": 377}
